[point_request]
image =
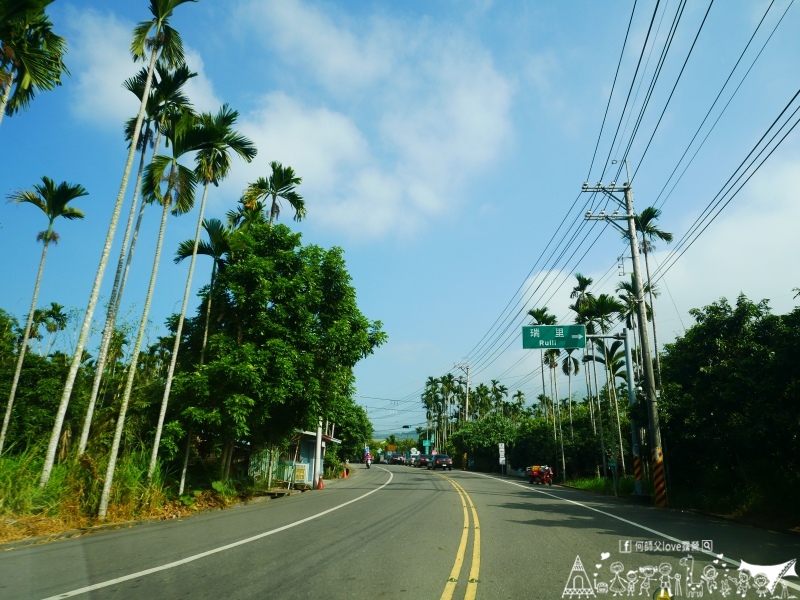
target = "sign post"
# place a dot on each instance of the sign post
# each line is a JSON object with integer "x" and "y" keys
{"x": 545, "y": 337}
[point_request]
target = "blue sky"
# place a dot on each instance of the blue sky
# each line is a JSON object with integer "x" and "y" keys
{"x": 441, "y": 145}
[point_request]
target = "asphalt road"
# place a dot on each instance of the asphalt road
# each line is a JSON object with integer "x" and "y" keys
{"x": 400, "y": 532}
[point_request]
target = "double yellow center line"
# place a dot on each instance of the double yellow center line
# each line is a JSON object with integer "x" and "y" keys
{"x": 472, "y": 583}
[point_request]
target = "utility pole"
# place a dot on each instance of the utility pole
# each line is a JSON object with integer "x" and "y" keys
{"x": 465, "y": 367}
{"x": 656, "y": 452}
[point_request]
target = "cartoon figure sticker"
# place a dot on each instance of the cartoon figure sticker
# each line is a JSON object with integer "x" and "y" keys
{"x": 761, "y": 581}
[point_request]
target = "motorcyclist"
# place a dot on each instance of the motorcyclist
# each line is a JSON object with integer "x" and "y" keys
{"x": 368, "y": 459}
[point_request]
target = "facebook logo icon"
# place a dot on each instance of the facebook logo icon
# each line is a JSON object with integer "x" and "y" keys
{"x": 625, "y": 546}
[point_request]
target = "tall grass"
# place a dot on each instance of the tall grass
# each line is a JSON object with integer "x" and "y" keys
{"x": 72, "y": 495}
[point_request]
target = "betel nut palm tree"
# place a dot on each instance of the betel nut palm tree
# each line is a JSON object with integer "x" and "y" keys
{"x": 161, "y": 41}
{"x": 646, "y": 225}
{"x": 166, "y": 98}
{"x": 215, "y": 140}
{"x": 280, "y": 185}
{"x": 31, "y": 55}
{"x": 171, "y": 185}
{"x": 605, "y": 310}
{"x": 541, "y": 316}
{"x": 53, "y": 200}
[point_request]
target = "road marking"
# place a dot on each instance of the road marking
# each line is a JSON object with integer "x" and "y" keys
{"x": 194, "y": 557}
{"x": 450, "y": 586}
{"x": 639, "y": 525}
{"x": 474, "y": 572}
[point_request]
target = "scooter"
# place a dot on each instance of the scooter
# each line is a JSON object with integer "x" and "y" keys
{"x": 369, "y": 462}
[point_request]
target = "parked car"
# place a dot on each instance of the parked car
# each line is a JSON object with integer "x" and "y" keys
{"x": 412, "y": 462}
{"x": 423, "y": 460}
{"x": 441, "y": 461}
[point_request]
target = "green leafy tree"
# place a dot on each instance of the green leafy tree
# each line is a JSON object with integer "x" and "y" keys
{"x": 729, "y": 409}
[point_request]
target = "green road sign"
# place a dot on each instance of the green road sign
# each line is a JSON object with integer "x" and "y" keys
{"x": 545, "y": 337}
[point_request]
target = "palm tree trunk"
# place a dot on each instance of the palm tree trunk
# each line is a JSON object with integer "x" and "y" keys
{"x": 176, "y": 346}
{"x": 185, "y": 461}
{"x": 112, "y": 459}
{"x": 208, "y": 313}
{"x": 98, "y": 280}
{"x": 553, "y": 403}
{"x": 4, "y": 99}
{"x": 599, "y": 413}
{"x": 619, "y": 426}
{"x": 24, "y": 346}
{"x": 653, "y": 316}
{"x": 111, "y": 312}
{"x": 569, "y": 389}
{"x": 544, "y": 391}
{"x": 560, "y": 429}
{"x": 588, "y": 377}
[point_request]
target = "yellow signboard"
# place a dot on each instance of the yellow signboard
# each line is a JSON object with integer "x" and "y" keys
{"x": 300, "y": 473}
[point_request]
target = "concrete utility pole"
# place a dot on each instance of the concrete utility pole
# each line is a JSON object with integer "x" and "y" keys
{"x": 465, "y": 367}
{"x": 657, "y": 454}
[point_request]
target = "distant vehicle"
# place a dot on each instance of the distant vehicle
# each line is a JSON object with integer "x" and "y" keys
{"x": 539, "y": 474}
{"x": 412, "y": 462}
{"x": 423, "y": 460}
{"x": 398, "y": 459}
{"x": 441, "y": 461}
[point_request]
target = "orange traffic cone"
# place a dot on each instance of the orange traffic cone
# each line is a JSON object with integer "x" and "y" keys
{"x": 344, "y": 473}
{"x": 320, "y": 485}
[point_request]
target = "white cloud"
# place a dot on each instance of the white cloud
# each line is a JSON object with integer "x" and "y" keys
{"x": 320, "y": 144}
{"x": 434, "y": 103}
{"x": 308, "y": 38}
{"x": 200, "y": 89}
{"x": 100, "y": 61}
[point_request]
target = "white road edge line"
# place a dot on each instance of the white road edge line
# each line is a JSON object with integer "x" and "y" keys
{"x": 194, "y": 557}
{"x": 640, "y": 526}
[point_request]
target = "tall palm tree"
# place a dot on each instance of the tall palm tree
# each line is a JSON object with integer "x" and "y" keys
{"x": 626, "y": 292}
{"x": 55, "y": 321}
{"x": 31, "y": 55}
{"x": 612, "y": 357}
{"x": 281, "y": 184}
{"x": 157, "y": 37}
{"x": 216, "y": 140}
{"x": 606, "y": 310}
{"x": 166, "y": 98}
{"x": 519, "y": 403}
{"x": 541, "y": 316}
{"x": 499, "y": 392}
{"x": 571, "y": 366}
{"x": 53, "y": 201}
{"x": 218, "y": 248}
{"x": 646, "y": 226}
{"x": 178, "y": 197}
{"x": 583, "y": 299}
